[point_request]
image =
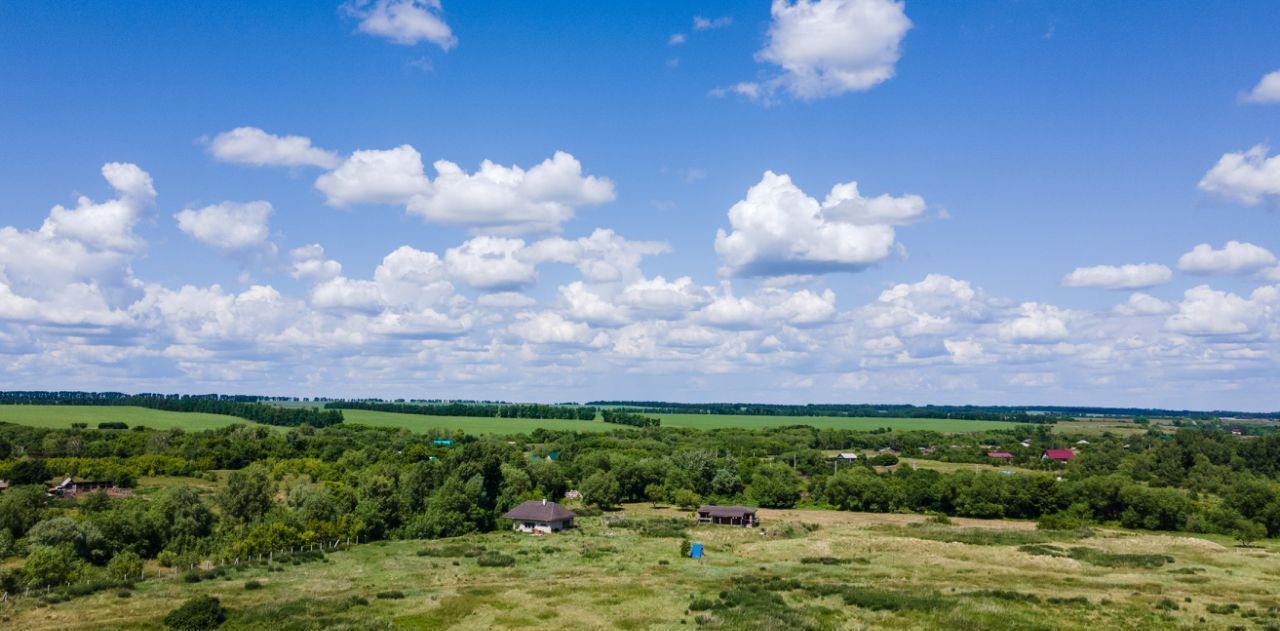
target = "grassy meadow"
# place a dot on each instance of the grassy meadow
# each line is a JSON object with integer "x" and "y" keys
{"x": 809, "y": 570}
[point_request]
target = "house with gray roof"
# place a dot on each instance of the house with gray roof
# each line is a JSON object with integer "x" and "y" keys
{"x": 540, "y": 516}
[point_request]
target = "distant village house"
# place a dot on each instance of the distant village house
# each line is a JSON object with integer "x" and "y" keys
{"x": 1060, "y": 455}
{"x": 728, "y": 516}
{"x": 71, "y": 488}
{"x": 540, "y": 516}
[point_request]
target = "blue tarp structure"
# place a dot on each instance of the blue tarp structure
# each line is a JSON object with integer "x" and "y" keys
{"x": 695, "y": 551}
{"x": 442, "y": 442}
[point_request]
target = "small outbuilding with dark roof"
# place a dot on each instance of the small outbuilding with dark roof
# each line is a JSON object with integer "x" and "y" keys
{"x": 540, "y": 516}
{"x": 728, "y": 515}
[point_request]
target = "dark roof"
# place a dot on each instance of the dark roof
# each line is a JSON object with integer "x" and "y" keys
{"x": 726, "y": 511}
{"x": 539, "y": 510}
{"x": 1059, "y": 454}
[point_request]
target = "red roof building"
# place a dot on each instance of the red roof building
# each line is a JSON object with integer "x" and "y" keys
{"x": 1000, "y": 455}
{"x": 1061, "y": 455}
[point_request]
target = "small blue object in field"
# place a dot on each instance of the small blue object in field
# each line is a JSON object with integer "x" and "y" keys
{"x": 442, "y": 441}
{"x": 695, "y": 551}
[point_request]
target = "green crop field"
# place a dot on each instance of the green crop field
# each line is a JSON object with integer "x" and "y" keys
{"x": 712, "y": 421}
{"x": 62, "y": 416}
{"x": 812, "y": 570}
{"x": 474, "y": 425}
{"x": 470, "y": 424}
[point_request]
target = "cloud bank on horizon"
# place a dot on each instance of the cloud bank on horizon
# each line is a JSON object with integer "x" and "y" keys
{"x": 531, "y": 291}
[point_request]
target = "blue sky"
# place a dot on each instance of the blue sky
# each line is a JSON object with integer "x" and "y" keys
{"x": 1059, "y": 203}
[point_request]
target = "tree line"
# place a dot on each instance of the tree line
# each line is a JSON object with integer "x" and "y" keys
{"x": 629, "y": 418}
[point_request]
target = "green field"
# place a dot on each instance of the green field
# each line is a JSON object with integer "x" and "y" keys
{"x": 713, "y": 421}
{"x": 62, "y": 416}
{"x": 469, "y": 424}
{"x": 421, "y": 423}
{"x": 864, "y": 571}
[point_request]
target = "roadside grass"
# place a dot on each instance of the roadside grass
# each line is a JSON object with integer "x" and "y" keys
{"x": 859, "y": 572}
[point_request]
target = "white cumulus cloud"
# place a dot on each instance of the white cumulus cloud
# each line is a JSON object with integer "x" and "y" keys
{"x": 829, "y": 47}
{"x": 1249, "y": 176}
{"x": 1267, "y": 90}
{"x": 229, "y": 226}
{"x": 1234, "y": 258}
{"x": 405, "y": 22}
{"x": 1208, "y": 311}
{"x": 1140, "y": 304}
{"x": 108, "y": 225}
{"x": 490, "y": 263}
{"x": 511, "y": 198}
{"x": 495, "y": 198}
{"x": 1132, "y": 276}
{"x": 309, "y": 262}
{"x": 1036, "y": 324}
{"x": 250, "y": 145}
{"x": 778, "y": 229}
{"x": 373, "y": 176}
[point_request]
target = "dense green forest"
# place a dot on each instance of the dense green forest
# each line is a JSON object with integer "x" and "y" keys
{"x": 366, "y": 483}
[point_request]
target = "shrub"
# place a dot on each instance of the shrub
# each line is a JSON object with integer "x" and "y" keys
{"x": 939, "y": 519}
{"x": 252, "y": 585}
{"x": 197, "y": 614}
{"x": 1011, "y": 596}
{"x": 47, "y": 565}
{"x": 829, "y": 561}
{"x": 1166, "y": 605}
{"x": 125, "y": 565}
{"x": 124, "y": 593}
{"x": 495, "y": 559}
{"x": 113, "y": 425}
{"x": 884, "y": 460}
{"x": 394, "y": 594}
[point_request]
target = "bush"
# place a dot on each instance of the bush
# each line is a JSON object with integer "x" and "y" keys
{"x": 125, "y": 565}
{"x": 495, "y": 559}
{"x": 939, "y": 519}
{"x": 884, "y": 460}
{"x": 390, "y": 595}
{"x": 686, "y": 499}
{"x": 252, "y": 585}
{"x": 197, "y": 614}
{"x": 113, "y": 425}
